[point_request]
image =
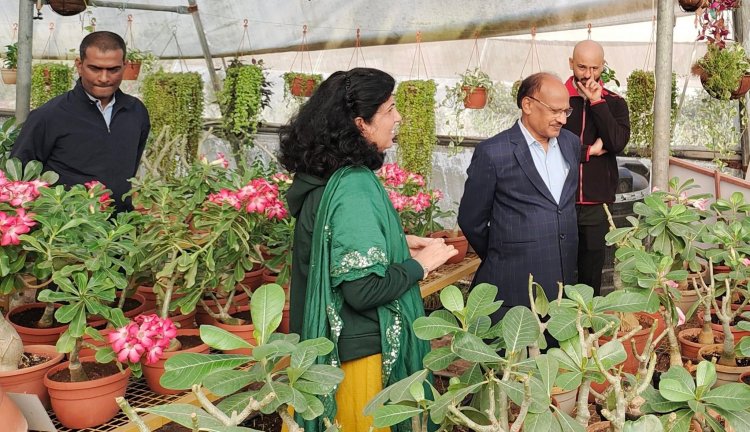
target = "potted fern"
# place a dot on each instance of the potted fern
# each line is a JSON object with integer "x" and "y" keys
{"x": 10, "y": 63}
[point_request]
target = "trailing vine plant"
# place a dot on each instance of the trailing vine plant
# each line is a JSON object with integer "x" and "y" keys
{"x": 175, "y": 100}
{"x": 640, "y": 97}
{"x": 242, "y": 99}
{"x": 49, "y": 80}
{"x": 417, "y": 138}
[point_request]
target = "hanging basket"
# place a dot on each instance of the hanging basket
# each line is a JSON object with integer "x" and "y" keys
{"x": 692, "y": 5}
{"x": 68, "y": 7}
{"x": 302, "y": 87}
{"x": 9, "y": 76}
{"x": 476, "y": 97}
{"x": 743, "y": 88}
{"x": 132, "y": 70}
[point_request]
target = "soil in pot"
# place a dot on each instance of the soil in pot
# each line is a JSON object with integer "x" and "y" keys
{"x": 746, "y": 379}
{"x": 29, "y": 377}
{"x": 714, "y": 356}
{"x": 30, "y": 317}
{"x": 93, "y": 371}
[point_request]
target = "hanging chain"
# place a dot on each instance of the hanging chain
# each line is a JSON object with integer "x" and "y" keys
{"x": 301, "y": 53}
{"x": 532, "y": 54}
{"x": 129, "y": 32}
{"x": 475, "y": 50}
{"x": 50, "y": 38}
{"x": 245, "y": 36}
{"x": 14, "y": 32}
{"x": 418, "y": 58}
{"x": 357, "y": 53}
{"x": 589, "y": 31}
{"x": 181, "y": 58}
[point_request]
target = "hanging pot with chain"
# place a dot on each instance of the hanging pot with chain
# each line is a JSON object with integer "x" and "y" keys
{"x": 68, "y": 7}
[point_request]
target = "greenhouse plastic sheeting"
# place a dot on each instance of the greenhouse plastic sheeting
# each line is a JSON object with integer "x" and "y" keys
{"x": 277, "y": 25}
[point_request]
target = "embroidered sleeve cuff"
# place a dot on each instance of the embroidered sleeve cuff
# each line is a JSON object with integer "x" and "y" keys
{"x": 598, "y": 102}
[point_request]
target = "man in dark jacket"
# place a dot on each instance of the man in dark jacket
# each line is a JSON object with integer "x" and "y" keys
{"x": 518, "y": 206}
{"x": 95, "y": 131}
{"x": 601, "y": 121}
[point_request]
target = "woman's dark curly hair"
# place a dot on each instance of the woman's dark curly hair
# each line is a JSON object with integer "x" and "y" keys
{"x": 323, "y": 137}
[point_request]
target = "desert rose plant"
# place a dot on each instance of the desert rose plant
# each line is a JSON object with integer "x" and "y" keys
{"x": 416, "y": 204}
{"x": 282, "y": 364}
{"x": 143, "y": 340}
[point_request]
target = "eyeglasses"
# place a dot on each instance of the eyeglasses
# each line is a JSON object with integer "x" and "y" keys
{"x": 556, "y": 112}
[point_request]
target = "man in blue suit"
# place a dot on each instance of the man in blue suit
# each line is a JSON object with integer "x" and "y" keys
{"x": 518, "y": 207}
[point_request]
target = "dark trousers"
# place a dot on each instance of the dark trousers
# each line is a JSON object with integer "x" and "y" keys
{"x": 592, "y": 227}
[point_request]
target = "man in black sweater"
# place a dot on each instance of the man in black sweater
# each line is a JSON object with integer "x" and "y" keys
{"x": 95, "y": 131}
{"x": 600, "y": 119}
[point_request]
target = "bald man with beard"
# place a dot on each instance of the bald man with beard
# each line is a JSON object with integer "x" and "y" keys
{"x": 601, "y": 121}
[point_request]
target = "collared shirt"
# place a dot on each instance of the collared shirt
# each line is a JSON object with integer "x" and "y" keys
{"x": 107, "y": 110}
{"x": 551, "y": 165}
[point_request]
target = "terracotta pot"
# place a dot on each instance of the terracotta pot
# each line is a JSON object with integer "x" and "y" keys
{"x": 302, "y": 88}
{"x": 724, "y": 374}
{"x": 9, "y": 75}
{"x": 631, "y": 363}
{"x": 692, "y": 5}
{"x": 31, "y": 380}
{"x": 79, "y": 405}
{"x": 148, "y": 293}
{"x": 688, "y": 348}
{"x": 153, "y": 372}
{"x": 98, "y": 322}
{"x": 132, "y": 70}
{"x": 601, "y": 426}
{"x": 718, "y": 330}
{"x": 243, "y": 331}
{"x": 457, "y": 240}
{"x": 36, "y": 336}
{"x": 179, "y": 320}
{"x": 743, "y": 88}
{"x": 566, "y": 400}
{"x": 254, "y": 278}
{"x": 476, "y": 97}
{"x": 12, "y": 418}
{"x": 270, "y": 277}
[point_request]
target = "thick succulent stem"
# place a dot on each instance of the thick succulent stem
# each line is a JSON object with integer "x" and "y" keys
{"x": 48, "y": 317}
{"x": 11, "y": 346}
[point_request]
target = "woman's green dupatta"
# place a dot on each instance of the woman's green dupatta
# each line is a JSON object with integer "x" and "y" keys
{"x": 358, "y": 232}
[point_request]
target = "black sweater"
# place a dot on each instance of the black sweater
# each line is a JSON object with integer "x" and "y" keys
{"x": 609, "y": 120}
{"x": 69, "y": 136}
{"x": 360, "y": 336}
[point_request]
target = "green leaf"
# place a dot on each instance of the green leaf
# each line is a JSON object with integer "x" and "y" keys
{"x": 680, "y": 384}
{"x": 185, "y": 369}
{"x": 323, "y": 374}
{"x": 400, "y": 391}
{"x": 625, "y": 301}
{"x": 439, "y": 358}
{"x": 568, "y": 423}
{"x": 562, "y": 325}
{"x": 480, "y": 326}
{"x": 427, "y": 328}
{"x": 739, "y": 420}
{"x": 321, "y": 345}
{"x": 732, "y": 397}
{"x": 520, "y": 328}
{"x": 472, "y": 348}
{"x": 221, "y": 339}
{"x": 681, "y": 422}
{"x": 312, "y": 387}
{"x": 481, "y": 301}
{"x": 569, "y": 380}
{"x": 440, "y": 406}
{"x": 705, "y": 375}
{"x": 390, "y": 415}
{"x": 417, "y": 391}
{"x": 266, "y": 306}
{"x": 314, "y": 408}
{"x": 226, "y": 382}
{"x": 647, "y": 423}
{"x": 548, "y": 368}
{"x": 612, "y": 353}
{"x": 538, "y": 421}
{"x": 452, "y": 298}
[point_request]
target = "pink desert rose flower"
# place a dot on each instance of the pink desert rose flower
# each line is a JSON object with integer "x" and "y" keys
{"x": 148, "y": 334}
{"x": 671, "y": 284}
{"x": 746, "y": 261}
{"x": 701, "y": 204}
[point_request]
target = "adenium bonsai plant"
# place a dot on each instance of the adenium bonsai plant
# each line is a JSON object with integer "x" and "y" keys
{"x": 283, "y": 365}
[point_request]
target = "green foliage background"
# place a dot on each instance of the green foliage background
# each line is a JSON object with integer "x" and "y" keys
{"x": 417, "y": 138}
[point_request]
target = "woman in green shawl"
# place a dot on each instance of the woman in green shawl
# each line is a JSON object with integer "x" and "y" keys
{"x": 354, "y": 273}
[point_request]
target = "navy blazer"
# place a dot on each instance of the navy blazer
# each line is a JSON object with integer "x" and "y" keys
{"x": 510, "y": 218}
